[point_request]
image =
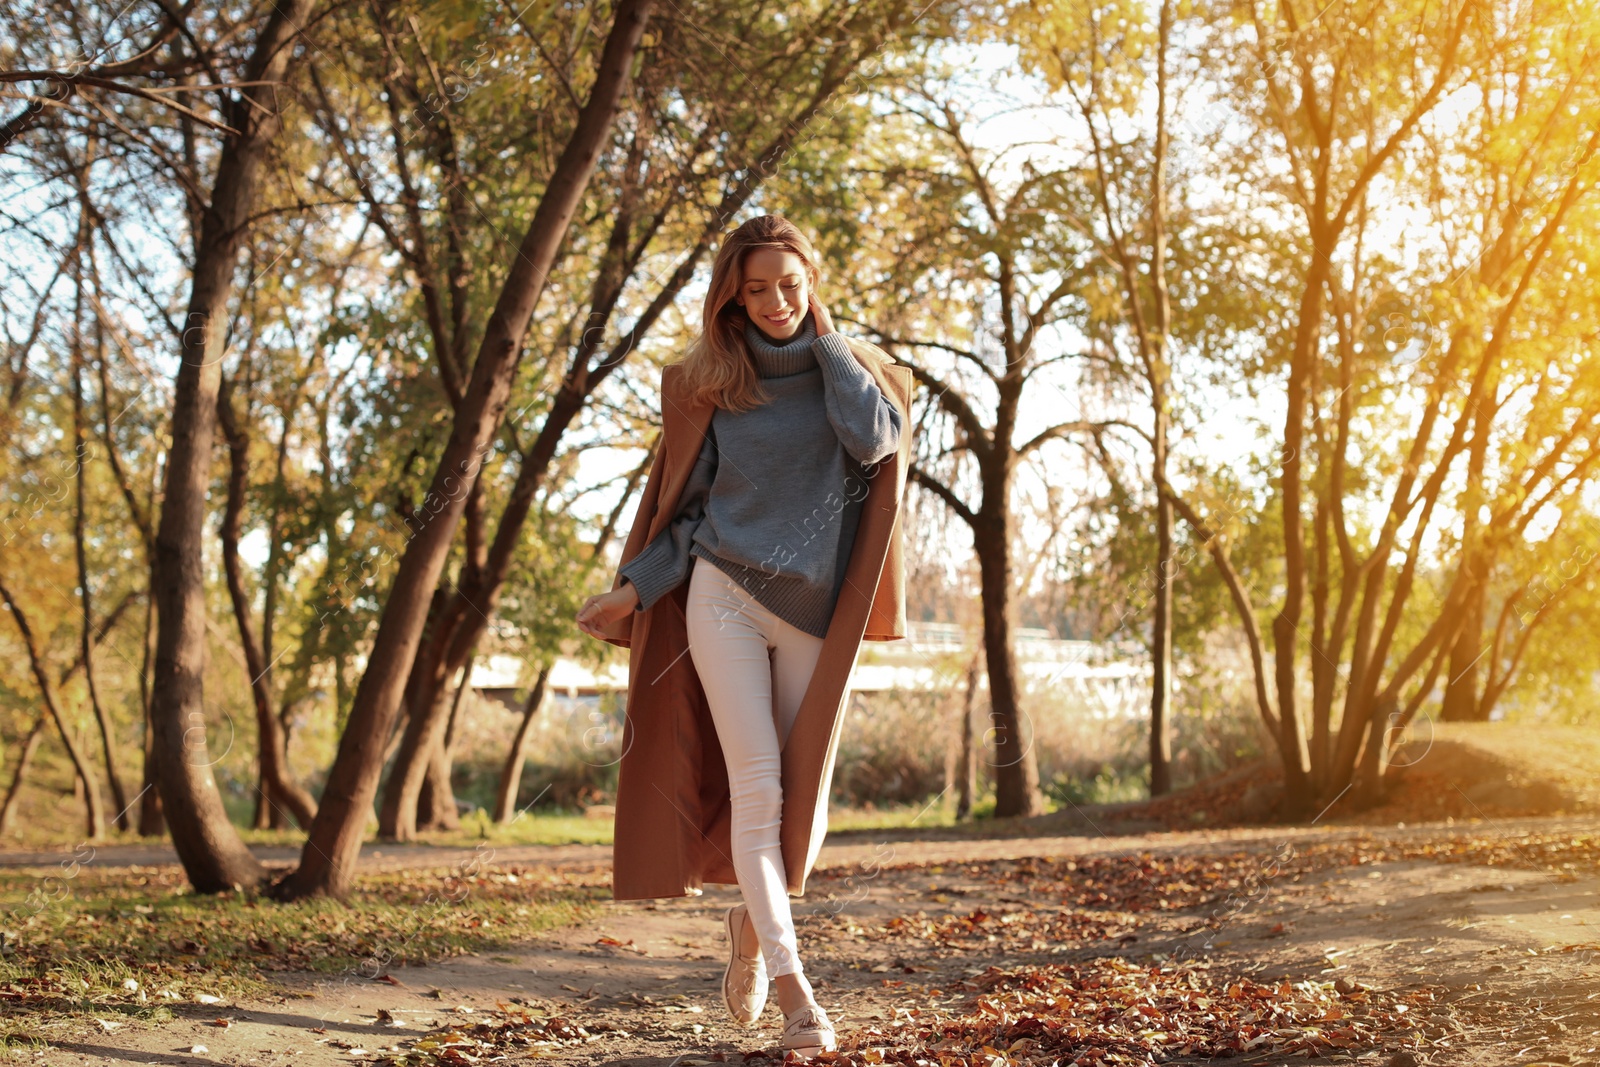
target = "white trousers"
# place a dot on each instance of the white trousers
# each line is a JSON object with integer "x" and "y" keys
{"x": 754, "y": 668}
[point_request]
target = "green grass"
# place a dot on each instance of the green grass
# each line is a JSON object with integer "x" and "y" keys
{"x": 136, "y": 939}
{"x": 574, "y": 828}
{"x": 560, "y": 827}
{"x": 1109, "y": 786}
{"x": 557, "y": 828}
{"x": 554, "y": 827}
{"x": 922, "y": 815}
{"x": 285, "y": 838}
{"x": 529, "y": 828}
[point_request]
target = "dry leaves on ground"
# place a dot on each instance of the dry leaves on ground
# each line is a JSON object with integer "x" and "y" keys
{"x": 1112, "y": 1011}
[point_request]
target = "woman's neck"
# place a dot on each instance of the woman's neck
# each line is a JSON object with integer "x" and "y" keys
{"x": 776, "y": 359}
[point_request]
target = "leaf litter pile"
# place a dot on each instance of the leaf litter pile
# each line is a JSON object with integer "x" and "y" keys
{"x": 1111, "y": 1011}
{"x": 517, "y": 1030}
{"x": 1096, "y": 1006}
{"x": 1104, "y": 1011}
{"x": 1175, "y": 1006}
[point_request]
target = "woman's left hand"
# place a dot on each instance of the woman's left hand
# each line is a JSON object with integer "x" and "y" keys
{"x": 824, "y": 320}
{"x": 603, "y": 611}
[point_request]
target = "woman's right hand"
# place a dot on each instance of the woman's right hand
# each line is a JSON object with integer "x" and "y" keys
{"x": 604, "y": 610}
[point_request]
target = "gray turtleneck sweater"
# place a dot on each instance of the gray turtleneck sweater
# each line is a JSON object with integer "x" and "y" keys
{"x": 775, "y": 496}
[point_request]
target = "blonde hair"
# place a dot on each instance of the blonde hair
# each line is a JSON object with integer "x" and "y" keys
{"x": 717, "y": 367}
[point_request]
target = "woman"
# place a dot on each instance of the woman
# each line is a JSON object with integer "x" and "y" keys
{"x": 802, "y": 421}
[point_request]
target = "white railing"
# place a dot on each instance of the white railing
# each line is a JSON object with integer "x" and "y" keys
{"x": 928, "y": 659}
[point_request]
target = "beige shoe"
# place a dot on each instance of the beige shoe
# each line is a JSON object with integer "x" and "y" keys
{"x": 744, "y": 983}
{"x": 808, "y": 1032}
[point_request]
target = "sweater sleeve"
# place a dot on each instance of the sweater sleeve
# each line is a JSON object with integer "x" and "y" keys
{"x": 664, "y": 563}
{"x": 867, "y": 422}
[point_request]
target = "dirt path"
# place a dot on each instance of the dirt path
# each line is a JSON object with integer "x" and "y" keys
{"x": 897, "y": 931}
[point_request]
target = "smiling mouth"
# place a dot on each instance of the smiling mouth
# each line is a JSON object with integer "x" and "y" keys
{"x": 780, "y": 320}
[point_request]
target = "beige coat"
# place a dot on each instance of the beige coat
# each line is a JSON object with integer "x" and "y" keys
{"x": 672, "y": 818}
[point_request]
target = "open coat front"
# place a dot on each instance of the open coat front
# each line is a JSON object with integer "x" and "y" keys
{"x": 673, "y": 812}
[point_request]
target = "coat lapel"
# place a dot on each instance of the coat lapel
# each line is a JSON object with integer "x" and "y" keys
{"x": 673, "y": 815}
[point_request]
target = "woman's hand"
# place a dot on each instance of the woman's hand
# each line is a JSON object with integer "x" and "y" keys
{"x": 824, "y": 320}
{"x": 605, "y": 610}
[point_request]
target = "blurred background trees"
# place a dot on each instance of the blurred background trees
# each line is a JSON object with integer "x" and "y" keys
{"x": 1253, "y": 340}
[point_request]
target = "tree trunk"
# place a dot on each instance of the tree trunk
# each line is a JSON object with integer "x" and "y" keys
{"x": 261, "y": 818}
{"x": 1375, "y": 757}
{"x": 1286, "y": 626}
{"x": 30, "y": 745}
{"x": 436, "y": 803}
{"x": 94, "y": 814}
{"x": 505, "y": 799}
{"x": 429, "y": 702}
{"x": 1161, "y": 637}
{"x": 152, "y": 820}
{"x": 394, "y": 740}
{"x": 457, "y": 622}
{"x": 967, "y": 768}
{"x": 119, "y": 796}
{"x": 327, "y": 865}
{"x": 1016, "y": 766}
{"x": 1161, "y": 620}
{"x": 1461, "y": 702}
{"x": 207, "y": 844}
{"x": 152, "y": 817}
{"x": 276, "y": 791}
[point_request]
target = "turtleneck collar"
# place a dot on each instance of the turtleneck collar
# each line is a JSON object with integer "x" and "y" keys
{"x": 774, "y": 360}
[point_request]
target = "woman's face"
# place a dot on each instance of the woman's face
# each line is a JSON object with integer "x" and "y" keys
{"x": 774, "y": 292}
